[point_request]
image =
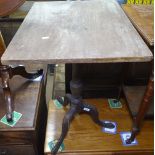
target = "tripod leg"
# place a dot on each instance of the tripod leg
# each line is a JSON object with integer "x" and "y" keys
{"x": 95, "y": 116}
{"x": 66, "y": 101}
{"x": 20, "y": 70}
{"x": 135, "y": 130}
{"x": 7, "y": 93}
{"x": 65, "y": 127}
{"x": 123, "y": 74}
{"x": 9, "y": 104}
{"x": 143, "y": 109}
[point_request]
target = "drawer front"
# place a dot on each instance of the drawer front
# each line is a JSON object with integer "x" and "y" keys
{"x": 17, "y": 150}
{"x": 16, "y": 137}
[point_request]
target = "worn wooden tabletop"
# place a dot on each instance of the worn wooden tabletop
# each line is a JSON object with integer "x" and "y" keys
{"x": 142, "y": 17}
{"x": 95, "y": 31}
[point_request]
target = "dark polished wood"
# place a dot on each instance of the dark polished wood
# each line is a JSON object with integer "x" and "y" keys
{"x": 86, "y": 138}
{"x": 6, "y": 73}
{"x": 27, "y": 136}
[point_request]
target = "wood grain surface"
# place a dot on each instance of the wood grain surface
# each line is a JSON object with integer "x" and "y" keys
{"x": 95, "y": 31}
{"x": 25, "y": 95}
{"x": 142, "y": 17}
{"x": 27, "y": 136}
{"x": 86, "y": 138}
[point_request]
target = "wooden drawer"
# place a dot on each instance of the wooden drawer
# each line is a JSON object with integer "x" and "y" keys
{"x": 17, "y": 150}
{"x": 16, "y": 137}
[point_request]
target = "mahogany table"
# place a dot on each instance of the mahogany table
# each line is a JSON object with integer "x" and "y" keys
{"x": 76, "y": 32}
{"x": 6, "y": 73}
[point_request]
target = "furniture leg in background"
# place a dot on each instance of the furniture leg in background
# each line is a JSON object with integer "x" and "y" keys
{"x": 142, "y": 17}
{"x": 6, "y": 73}
{"x": 143, "y": 108}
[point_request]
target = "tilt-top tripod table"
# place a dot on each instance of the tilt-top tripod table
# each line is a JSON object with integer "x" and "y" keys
{"x": 76, "y": 32}
{"x": 6, "y": 73}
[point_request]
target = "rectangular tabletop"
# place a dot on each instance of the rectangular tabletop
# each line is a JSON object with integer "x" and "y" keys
{"x": 142, "y": 17}
{"x": 94, "y": 31}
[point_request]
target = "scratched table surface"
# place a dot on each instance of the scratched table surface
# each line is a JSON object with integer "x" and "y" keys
{"x": 95, "y": 31}
{"x": 142, "y": 17}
